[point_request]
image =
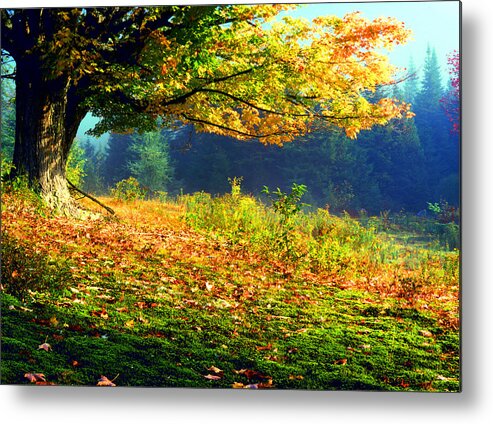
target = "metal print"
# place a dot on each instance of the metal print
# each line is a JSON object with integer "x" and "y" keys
{"x": 244, "y": 196}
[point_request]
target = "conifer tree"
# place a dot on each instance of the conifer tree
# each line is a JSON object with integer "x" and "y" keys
{"x": 151, "y": 166}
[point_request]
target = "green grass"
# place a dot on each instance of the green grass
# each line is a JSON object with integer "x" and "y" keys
{"x": 168, "y": 291}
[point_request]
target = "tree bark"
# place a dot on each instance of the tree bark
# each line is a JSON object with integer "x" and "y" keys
{"x": 48, "y": 115}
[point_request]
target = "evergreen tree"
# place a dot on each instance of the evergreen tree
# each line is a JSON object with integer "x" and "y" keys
{"x": 397, "y": 162}
{"x": 151, "y": 166}
{"x": 431, "y": 85}
{"x": 334, "y": 169}
{"x": 76, "y": 164}
{"x": 441, "y": 155}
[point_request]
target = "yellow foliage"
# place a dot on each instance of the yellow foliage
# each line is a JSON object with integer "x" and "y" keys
{"x": 245, "y": 79}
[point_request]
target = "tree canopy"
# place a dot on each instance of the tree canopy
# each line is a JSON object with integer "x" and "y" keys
{"x": 229, "y": 69}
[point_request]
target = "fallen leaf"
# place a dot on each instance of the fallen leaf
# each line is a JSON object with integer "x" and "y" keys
{"x": 265, "y": 385}
{"x": 215, "y": 370}
{"x": 143, "y": 320}
{"x": 105, "y": 381}
{"x": 261, "y": 348}
{"x": 208, "y": 286}
{"x": 341, "y": 362}
{"x": 101, "y": 314}
{"x": 237, "y": 385}
{"x": 296, "y": 377}
{"x": 251, "y": 374}
{"x": 15, "y": 274}
{"x": 75, "y": 327}
{"x": 426, "y": 333}
{"x": 24, "y": 309}
{"x": 212, "y": 377}
{"x": 45, "y": 346}
{"x": 45, "y": 383}
{"x": 34, "y": 377}
{"x": 404, "y": 384}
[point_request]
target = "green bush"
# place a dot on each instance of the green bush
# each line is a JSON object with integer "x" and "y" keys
{"x": 287, "y": 206}
{"x": 238, "y": 218}
{"x": 128, "y": 190}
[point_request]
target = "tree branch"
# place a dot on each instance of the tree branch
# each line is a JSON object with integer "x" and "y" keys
{"x": 182, "y": 97}
{"x": 111, "y": 211}
{"x": 9, "y": 76}
{"x": 259, "y": 108}
{"x": 223, "y": 127}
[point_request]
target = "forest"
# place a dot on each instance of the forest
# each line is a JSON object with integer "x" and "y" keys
{"x": 251, "y": 221}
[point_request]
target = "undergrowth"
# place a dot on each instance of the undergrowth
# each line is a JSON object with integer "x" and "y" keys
{"x": 200, "y": 293}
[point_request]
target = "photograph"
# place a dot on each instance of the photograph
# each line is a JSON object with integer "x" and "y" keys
{"x": 247, "y": 196}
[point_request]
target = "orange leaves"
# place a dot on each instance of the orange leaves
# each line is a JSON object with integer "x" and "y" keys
{"x": 326, "y": 66}
{"x": 100, "y": 313}
{"x": 106, "y": 382}
{"x": 351, "y": 132}
{"x": 38, "y": 379}
{"x": 35, "y": 377}
{"x": 260, "y": 381}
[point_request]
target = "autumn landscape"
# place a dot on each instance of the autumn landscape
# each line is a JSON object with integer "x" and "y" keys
{"x": 261, "y": 200}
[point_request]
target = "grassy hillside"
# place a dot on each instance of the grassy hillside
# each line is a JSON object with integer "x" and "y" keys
{"x": 223, "y": 293}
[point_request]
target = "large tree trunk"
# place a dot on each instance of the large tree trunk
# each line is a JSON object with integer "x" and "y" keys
{"x": 48, "y": 114}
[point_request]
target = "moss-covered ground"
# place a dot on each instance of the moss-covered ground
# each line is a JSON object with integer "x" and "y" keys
{"x": 148, "y": 299}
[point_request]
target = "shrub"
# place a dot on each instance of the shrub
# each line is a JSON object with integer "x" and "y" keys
{"x": 237, "y": 217}
{"x": 128, "y": 190}
{"x": 287, "y": 205}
